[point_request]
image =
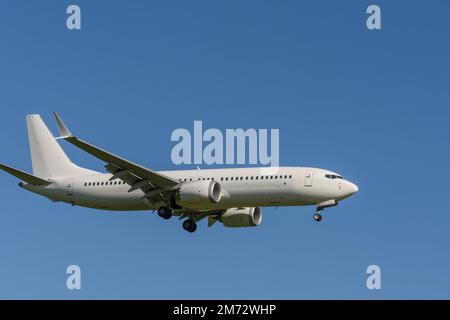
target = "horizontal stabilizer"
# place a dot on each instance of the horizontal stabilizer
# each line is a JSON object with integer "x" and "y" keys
{"x": 25, "y": 176}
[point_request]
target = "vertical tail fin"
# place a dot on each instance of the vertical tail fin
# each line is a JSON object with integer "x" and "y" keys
{"x": 47, "y": 156}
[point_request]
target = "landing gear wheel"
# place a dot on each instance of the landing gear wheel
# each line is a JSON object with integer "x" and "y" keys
{"x": 189, "y": 225}
{"x": 317, "y": 217}
{"x": 164, "y": 213}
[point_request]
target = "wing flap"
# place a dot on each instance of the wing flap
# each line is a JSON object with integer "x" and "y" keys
{"x": 136, "y": 182}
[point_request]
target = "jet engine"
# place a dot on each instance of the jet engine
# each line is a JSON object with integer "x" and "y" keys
{"x": 202, "y": 192}
{"x": 242, "y": 217}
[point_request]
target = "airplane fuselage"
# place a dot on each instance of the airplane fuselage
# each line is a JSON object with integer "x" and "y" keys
{"x": 241, "y": 187}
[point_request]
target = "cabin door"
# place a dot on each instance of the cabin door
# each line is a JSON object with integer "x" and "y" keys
{"x": 308, "y": 179}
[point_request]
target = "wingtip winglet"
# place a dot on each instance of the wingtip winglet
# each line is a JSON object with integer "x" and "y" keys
{"x": 63, "y": 131}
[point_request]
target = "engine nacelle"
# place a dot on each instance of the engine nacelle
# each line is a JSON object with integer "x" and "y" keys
{"x": 242, "y": 217}
{"x": 202, "y": 192}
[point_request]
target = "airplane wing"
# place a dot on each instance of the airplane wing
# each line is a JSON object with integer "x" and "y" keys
{"x": 152, "y": 183}
{"x": 22, "y": 175}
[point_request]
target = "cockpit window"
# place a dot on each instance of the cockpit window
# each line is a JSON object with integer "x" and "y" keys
{"x": 333, "y": 176}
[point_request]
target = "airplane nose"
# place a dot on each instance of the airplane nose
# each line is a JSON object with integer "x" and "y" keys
{"x": 353, "y": 188}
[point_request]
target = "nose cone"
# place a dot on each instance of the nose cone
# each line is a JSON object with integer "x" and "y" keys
{"x": 353, "y": 188}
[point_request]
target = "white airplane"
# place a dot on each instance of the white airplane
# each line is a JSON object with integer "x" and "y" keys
{"x": 231, "y": 196}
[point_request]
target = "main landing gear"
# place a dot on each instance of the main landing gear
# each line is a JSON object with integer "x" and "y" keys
{"x": 165, "y": 213}
{"x": 189, "y": 225}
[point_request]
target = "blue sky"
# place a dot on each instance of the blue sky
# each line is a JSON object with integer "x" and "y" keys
{"x": 371, "y": 105}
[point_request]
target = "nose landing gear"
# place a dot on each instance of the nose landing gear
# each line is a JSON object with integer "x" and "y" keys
{"x": 317, "y": 217}
{"x": 322, "y": 205}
